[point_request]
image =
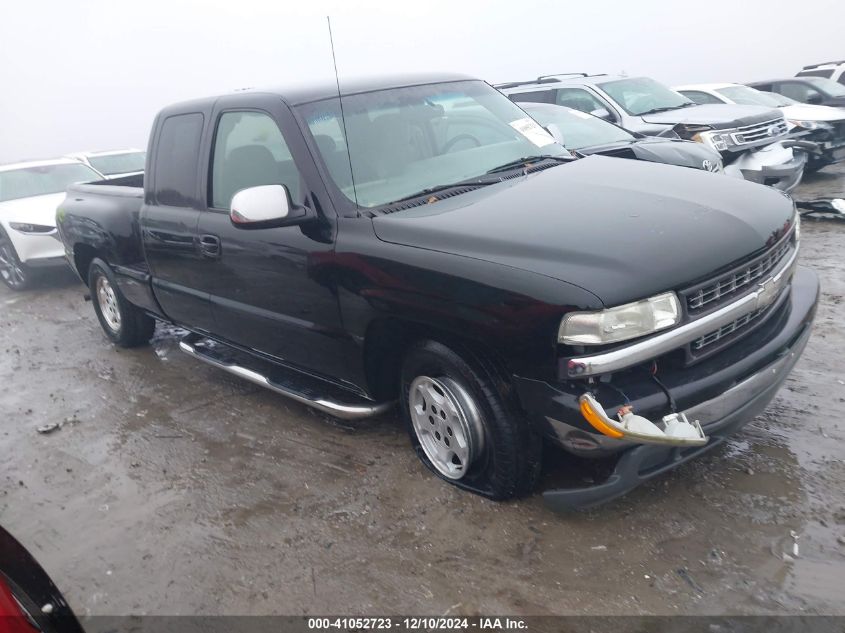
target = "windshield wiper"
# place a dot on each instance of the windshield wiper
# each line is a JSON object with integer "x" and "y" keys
{"x": 667, "y": 108}
{"x": 522, "y": 162}
{"x": 473, "y": 182}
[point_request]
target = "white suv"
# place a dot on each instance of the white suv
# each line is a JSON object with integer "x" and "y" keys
{"x": 834, "y": 71}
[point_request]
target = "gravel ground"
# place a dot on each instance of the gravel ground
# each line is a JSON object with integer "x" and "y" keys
{"x": 173, "y": 488}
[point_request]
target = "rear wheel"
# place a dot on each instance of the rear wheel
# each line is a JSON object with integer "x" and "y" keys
{"x": 14, "y": 273}
{"x": 463, "y": 423}
{"x": 125, "y": 324}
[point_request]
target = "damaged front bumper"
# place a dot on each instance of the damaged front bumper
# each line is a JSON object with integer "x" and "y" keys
{"x": 723, "y": 394}
{"x": 779, "y": 165}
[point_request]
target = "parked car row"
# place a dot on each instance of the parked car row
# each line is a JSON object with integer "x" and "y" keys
{"x": 750, "y": 132}
{"x": 29, "y": 195}
{"x": 424, "y": 241}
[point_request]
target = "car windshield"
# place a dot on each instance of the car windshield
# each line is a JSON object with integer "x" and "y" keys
{"x": 827, "y": 86}
{"x": 579, "y": 129}
{"x": 42, "y": 180}
{"x": 642, "y": 95}
{"x": 111, "y": 164}
{"x": 404, "y": 141}
{"x": 749, "y": 96}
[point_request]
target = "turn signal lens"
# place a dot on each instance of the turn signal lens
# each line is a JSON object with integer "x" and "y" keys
{"x": 621, "y": 323}
{"x": 596, "y": 422}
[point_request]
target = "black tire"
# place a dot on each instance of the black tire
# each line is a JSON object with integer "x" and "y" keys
{"x": 508, "y": 465}
{"x": 133, "y": 327}
{"x": 813, "y": 167}
{"x": 15, "y": 274}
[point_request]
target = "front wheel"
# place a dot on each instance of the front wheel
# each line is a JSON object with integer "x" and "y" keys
{"x": 14, "y": 273}
{"x": 125, "y": 324}
{"x": 464, "y": 425}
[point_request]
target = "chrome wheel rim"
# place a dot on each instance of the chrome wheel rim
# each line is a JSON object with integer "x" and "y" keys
{"x": 446, "y": 423}
{"x": 107, "y": 300}
{"x": 10, "y": 269}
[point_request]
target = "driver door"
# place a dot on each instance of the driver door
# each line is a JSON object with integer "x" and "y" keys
{"x": 264, "y": 291}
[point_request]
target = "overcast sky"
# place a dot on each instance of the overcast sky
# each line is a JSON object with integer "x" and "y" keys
{"x": 91, "y": 74}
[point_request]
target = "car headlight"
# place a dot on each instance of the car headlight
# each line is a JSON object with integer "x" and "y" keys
{"x": 32, "y": 229}
{"x": 811, "y": 125}
{"x": 716, "y": 140}
{"x": 620, "y": 323}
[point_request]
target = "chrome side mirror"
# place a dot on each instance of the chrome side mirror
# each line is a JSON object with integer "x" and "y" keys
{"x": 264, "y": 206}
{"x": 602, "y": 113}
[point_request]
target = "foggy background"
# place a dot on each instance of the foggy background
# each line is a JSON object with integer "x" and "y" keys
{"x": 91, "y": 74}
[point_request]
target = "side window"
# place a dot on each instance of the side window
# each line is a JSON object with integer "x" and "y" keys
{"x": 700, "y": 97}
{"x": 536, "y": 96}
{"x": 177, "y": 155}
{"x": 798, "y": 91}
{"x": 249, "y": 150}
{"x": 828, "y": 73}
{"x": 579, "y": 99}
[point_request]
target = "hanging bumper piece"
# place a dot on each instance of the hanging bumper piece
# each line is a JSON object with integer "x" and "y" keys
{"x": 674, "y": 429}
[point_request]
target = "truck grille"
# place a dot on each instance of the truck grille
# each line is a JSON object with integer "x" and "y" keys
{"x": 726, "y": 330}
{"x": 715, "y": 292}
{"x": 768, "y": 130}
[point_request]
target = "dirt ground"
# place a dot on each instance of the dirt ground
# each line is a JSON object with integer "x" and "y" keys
{"x": 173, "y": 488}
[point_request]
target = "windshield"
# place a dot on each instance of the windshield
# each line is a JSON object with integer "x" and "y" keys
{"x": 827, "y": 86}
{"x": 118, "y": 163}
{"x": 406, "y": 140}
{"x": 641, "y": 95}
{"x": 43, "y": 180}
{"x": 579, "y": 129}
{"x": 749, "y": 96}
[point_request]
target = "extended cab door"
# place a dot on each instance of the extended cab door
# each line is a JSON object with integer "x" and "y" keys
{"x": 265, "y": 287}
{"x": 169, "y": 219}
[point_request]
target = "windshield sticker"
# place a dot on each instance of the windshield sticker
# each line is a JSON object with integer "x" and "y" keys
{"x": 532, "y": 130}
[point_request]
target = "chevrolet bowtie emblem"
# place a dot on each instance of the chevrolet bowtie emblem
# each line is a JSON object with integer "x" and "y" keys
{"x": 766, "y": 293}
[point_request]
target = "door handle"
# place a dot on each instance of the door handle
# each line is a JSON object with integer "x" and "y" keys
{"x": 210, "y": 245}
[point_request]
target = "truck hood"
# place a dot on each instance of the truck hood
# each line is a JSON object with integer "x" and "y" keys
{"x": 657, "y": 150}
{"x": 719, "y": 116}
{"x": 621, "y": 229}
{"x": 808, "y": 112}
{"x": 35, "y": 210}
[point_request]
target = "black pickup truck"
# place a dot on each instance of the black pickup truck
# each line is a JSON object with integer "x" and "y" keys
{"x": 423, "y": 240}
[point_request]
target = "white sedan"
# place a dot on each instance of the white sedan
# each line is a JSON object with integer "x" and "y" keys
{"x": 822, "y": 125}
{"x": 114, "y": 163}
{"x": 29, "y": 195}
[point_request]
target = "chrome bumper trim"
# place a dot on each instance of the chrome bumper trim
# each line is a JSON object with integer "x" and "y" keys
{"x": 669, "y": 340}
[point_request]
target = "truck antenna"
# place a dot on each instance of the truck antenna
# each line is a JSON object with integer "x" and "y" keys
{"x": 342, "y": 116}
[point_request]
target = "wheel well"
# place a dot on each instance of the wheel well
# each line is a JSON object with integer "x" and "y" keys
{"x": 83, "y": 255}
{"x": 386, "y": 342}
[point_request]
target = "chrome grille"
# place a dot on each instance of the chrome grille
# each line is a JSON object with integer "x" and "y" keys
{"x": 729, "y": 284}
{"x": 726, "y": 330}
{"x": 760, "y": 131}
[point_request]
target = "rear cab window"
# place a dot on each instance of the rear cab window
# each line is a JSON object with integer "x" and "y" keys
{"x": 176, "y": 160}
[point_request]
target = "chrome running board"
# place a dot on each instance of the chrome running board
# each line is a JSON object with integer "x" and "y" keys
{"x": 316, "y": 393}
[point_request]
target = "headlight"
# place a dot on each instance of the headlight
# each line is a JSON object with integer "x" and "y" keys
{"x": 36, "y": 229}
{"x": 716, "y": 140}
{"x": 620, "y": 323}
{"x": 811, "y": 125}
